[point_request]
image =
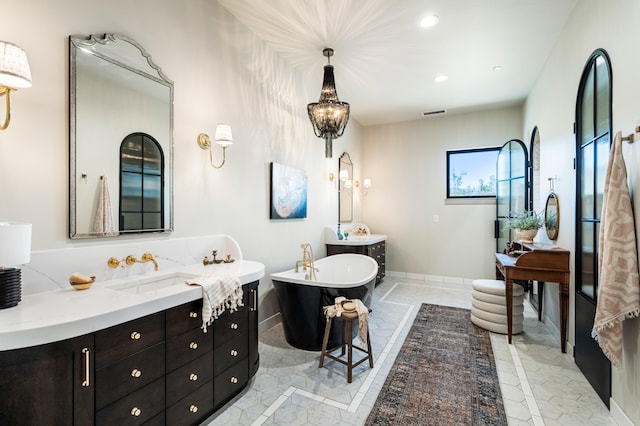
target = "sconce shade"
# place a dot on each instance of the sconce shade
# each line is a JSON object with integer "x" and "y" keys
{"x": 14, "y": 67}
{"x": 367, "y": 183}
{"x": 328, "y": 116}
{"x": 344, "y": 174}
{"x": 15, "y": 244}
{"x": 223, "y": 135}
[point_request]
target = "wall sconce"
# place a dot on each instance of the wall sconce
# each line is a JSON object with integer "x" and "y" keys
{"x": 223, "y": 138}
{"x": 14, "y": 74}
{"x": 15, "y": 250}
{"x": 366, "y": 184}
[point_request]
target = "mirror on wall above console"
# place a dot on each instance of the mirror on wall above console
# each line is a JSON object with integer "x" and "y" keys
{"x": 345, "y": 198}
{"x": 120, "y": 139}
{"x": 552, "y": 216}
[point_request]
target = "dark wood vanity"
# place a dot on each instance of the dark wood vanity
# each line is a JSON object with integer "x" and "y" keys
{"x": 159, "y": 369}
{"x": 376, "y": 250}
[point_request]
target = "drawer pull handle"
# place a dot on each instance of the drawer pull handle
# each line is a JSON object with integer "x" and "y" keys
{"x": 193, "y": 314}
{"x": 234, "y": 326}
{"x": 87, "y": 361}
{"x": 234, "y": 380}
{"x": 193, "y": 345}
{"x": 193, "y": 408}
{"x": 135, "y": 335}
{"x": 234, "y": 352}
{"x": 135, "y": 412}
{"x": 136, "y": 373}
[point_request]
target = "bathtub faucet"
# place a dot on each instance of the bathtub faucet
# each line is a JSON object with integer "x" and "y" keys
{"x": 307, "y": 262}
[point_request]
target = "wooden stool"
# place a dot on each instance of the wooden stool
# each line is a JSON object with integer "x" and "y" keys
{"x": 347, "y": 339}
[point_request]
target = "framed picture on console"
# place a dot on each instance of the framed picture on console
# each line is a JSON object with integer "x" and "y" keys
{"x": 288, "y": 192}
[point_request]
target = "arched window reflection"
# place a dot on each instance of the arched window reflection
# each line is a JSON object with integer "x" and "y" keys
{"x": 141, "y": 184}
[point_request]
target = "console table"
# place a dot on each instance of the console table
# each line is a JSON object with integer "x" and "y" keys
{"x": 539, "y": 262}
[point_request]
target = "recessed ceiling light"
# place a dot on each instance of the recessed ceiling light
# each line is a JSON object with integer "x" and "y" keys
{"x": 429, "y": 21}
{"x": 497, "y": 68}
{"x": 441, "y": 78}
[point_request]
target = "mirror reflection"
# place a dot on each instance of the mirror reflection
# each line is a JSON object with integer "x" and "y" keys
{"x": 552, "y": 216}
{"x": 121, "y": 139}
{"x": 345, "y": 200}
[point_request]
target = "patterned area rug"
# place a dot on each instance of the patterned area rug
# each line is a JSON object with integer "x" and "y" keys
{"x": 444, "y": 374}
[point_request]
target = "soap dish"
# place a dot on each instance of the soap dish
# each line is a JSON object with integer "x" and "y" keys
{"x": 80, "y": 281}
{"x": 348, "y": 306}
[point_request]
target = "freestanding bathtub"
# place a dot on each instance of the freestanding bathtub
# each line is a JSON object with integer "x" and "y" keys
{"x": 301, "y": 300}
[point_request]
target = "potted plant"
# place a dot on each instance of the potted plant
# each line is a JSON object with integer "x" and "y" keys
{"x": 526, "y": 224}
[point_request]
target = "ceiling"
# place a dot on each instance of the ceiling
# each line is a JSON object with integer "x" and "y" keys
{"x": 385, "y": 63}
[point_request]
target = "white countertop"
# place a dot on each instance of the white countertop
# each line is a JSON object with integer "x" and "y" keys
{"x": 65, "y": 313}
{"x": 355, "y": 240}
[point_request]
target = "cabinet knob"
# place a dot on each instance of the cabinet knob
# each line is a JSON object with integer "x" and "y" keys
{"x": 193, "y": 314}
{"x": 135, "y": 412}
{"x": 136, "y": 373}
{"x": 234, "y": 379}
{"x": 193, "y": 345}
{"x": 193, "y": 377}
{"x": 234, "y": 326}
{"x": 193, "y": 408}
{"x": 135, "y": 335}
{"x": 234, "y": 352}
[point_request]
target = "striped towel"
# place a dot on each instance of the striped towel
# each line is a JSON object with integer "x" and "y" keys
{"x": 619, "y": 286}
{"x": 219, "y": 293}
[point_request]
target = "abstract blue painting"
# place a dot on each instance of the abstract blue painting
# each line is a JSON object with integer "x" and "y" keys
{"x": 288, "y": 192}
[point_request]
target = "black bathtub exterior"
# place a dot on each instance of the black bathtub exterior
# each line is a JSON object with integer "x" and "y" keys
{"x": 303, "y": 319}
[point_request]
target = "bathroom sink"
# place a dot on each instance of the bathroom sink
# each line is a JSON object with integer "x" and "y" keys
{"x": 151, "y": 284}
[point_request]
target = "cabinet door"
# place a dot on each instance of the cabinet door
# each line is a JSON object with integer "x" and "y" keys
{"x": 48, "y": 384}
{"x": 254, "y": 355}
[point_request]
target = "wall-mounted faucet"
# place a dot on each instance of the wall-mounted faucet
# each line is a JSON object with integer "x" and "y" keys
{"x": 146, "y": 257}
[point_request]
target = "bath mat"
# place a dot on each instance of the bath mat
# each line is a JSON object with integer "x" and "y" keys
{"x": 444, "y": 374}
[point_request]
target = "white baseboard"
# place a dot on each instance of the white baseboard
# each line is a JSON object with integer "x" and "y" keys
{"x": 267, "y": 323}
{"x": 618, "y": 415}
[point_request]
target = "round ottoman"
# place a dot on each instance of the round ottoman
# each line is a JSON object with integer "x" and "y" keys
{"x": 488, "y": 308}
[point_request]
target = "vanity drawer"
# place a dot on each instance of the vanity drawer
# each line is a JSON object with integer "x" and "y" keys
{"x": 184, "y": 317}
{"x": 189, "y": 377}
{"x": 193, "y": 408}
{"x": 131, "y": 373}
{"x": 230, "y": 353}
{"x": 229, "y": 383}
{"x": 188, "y": 346}
{"x": 230, "y": 325}
{"x": 122, "y": 340}
{"x": 135, "y": 408}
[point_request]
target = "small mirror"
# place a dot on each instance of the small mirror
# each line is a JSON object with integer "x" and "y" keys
{"x": 120, "y": 132}
{"x": 552, "y": 216}
{"x": 345, "y": 200}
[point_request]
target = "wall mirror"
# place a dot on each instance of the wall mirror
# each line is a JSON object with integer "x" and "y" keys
{"x": 345, "y": 199}
{"x": 120, "y": 139}
{"x": 552, "y": 216}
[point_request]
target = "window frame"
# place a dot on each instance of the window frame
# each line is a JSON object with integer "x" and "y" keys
{"x": 452, "y": 153}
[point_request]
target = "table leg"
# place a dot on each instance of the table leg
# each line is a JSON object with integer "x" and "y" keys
{"x": 540, "y": 297}
{"x": 564, "y": 311}
{"x": 508, "y": 293}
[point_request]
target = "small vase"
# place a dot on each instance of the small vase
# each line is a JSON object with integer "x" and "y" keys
{"x": 526, "y": 235}
{"x": 340, "y": 236}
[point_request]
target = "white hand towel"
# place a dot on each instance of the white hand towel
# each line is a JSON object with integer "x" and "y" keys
{"x": 363, "y": 315}
{"x": 103, "y": 222}
{"x": 219, "y": 293}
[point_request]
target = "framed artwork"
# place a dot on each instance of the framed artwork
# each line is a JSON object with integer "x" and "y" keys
{"x": 288, "y": 192}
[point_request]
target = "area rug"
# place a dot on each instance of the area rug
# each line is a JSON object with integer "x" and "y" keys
{"x": 444, "y": 374}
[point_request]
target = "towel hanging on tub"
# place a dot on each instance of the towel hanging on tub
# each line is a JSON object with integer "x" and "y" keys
{"x": 619, "y": 285}
{"x": 103, "y": 222}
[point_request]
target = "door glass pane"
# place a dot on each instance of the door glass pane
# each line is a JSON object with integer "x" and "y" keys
{"x": 503, "y": 198}
{"x": 131, "y": 221}
{"x": 587, "y": 281}
{"x": 602, "y": 161}
{"x": 152, "y": 221}
{"x": 132, "y": 155}
{"x": 603, "y": 97}
{"x": 518, "y": 161}
{"x": 518, "y": 194}
{"x": 131, "y": 192}
{"x": 152, "y": 157}
{"x": 587, "y": 109}
{"x": 586, "y": 181}
{"x": 152, "y": 193}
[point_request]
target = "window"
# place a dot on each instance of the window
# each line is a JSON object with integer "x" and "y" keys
{"x": 471, "y": 173}
{"x": 141, "y": 184}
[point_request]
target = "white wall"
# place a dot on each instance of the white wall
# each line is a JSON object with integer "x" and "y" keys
{"x": 407, "y": 164}
{"x": 612, "y": 25}
{"x": 222, "y": 73}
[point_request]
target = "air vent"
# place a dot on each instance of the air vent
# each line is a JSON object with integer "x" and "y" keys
{"x": 431, "y": 113}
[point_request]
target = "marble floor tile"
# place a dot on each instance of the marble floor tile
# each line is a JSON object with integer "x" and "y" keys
{"x": 540, "y": 385}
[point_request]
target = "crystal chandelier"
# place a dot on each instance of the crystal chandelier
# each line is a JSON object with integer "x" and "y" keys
{"x": 328, "y": 116}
